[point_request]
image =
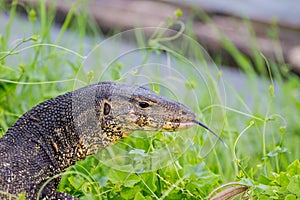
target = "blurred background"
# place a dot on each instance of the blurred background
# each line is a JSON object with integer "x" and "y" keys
{"x": 274, "y": 25}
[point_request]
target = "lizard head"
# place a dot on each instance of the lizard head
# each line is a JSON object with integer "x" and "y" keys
{"x": 108, "y": 111}
{"x": 132, "y": 108}
{"x": 122, "y": 109}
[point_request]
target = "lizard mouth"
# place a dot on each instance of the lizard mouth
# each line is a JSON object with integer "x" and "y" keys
{"x": 174, "y": 126}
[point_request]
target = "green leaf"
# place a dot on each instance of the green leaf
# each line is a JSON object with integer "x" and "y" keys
{"x": 283, "y": 179}
{"x": 264, "y": 179}
{"x": 199, "y": 179}
{"x": 130, "y": 193}
{"x": 175, "y": 194}
{"x": 150, "y": 180}
{"x": 290, "y": 197}
{"x": 294, "y": 185}
{"x": 294, "y": 168}
{"x": 199, "y": 171}
{"x": 76, "y": 181}
{"x": 129, "y": 180}
{"x": 139, "y": 196}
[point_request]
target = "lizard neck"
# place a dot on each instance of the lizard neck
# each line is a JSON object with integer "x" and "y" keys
{"x": 73, "y": 125}
{"x": 68, "y": 127}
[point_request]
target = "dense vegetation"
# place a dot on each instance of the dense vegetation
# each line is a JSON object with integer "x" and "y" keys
{"x": 259, "y": 122}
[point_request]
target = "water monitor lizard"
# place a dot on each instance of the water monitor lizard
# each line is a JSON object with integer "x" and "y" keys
{"x": 55, "y": 134}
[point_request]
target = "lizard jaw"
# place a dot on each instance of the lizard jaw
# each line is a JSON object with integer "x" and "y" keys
{"x": 174, "y": 126}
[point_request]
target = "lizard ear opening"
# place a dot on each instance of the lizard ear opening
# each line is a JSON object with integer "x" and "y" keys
{"x": 106, "y": 109}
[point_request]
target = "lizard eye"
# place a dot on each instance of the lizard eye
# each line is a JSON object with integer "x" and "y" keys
{"x": 143, "y": 104}
{"x": 106, "y": 109}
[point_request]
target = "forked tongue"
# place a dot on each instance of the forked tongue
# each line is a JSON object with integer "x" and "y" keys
{"x": 207, "y": 128}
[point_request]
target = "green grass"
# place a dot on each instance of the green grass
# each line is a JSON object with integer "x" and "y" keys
{"x": 260, "y": 125}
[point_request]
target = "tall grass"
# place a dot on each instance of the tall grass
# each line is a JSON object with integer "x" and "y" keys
{"x": 260, "y": 125}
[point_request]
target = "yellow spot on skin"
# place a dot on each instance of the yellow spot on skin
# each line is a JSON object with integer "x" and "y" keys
{"x": 124, "y": 134}
{"x": 55, "y": 146}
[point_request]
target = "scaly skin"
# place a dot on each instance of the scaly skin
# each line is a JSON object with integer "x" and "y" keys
{"x": 55, "y": 134}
